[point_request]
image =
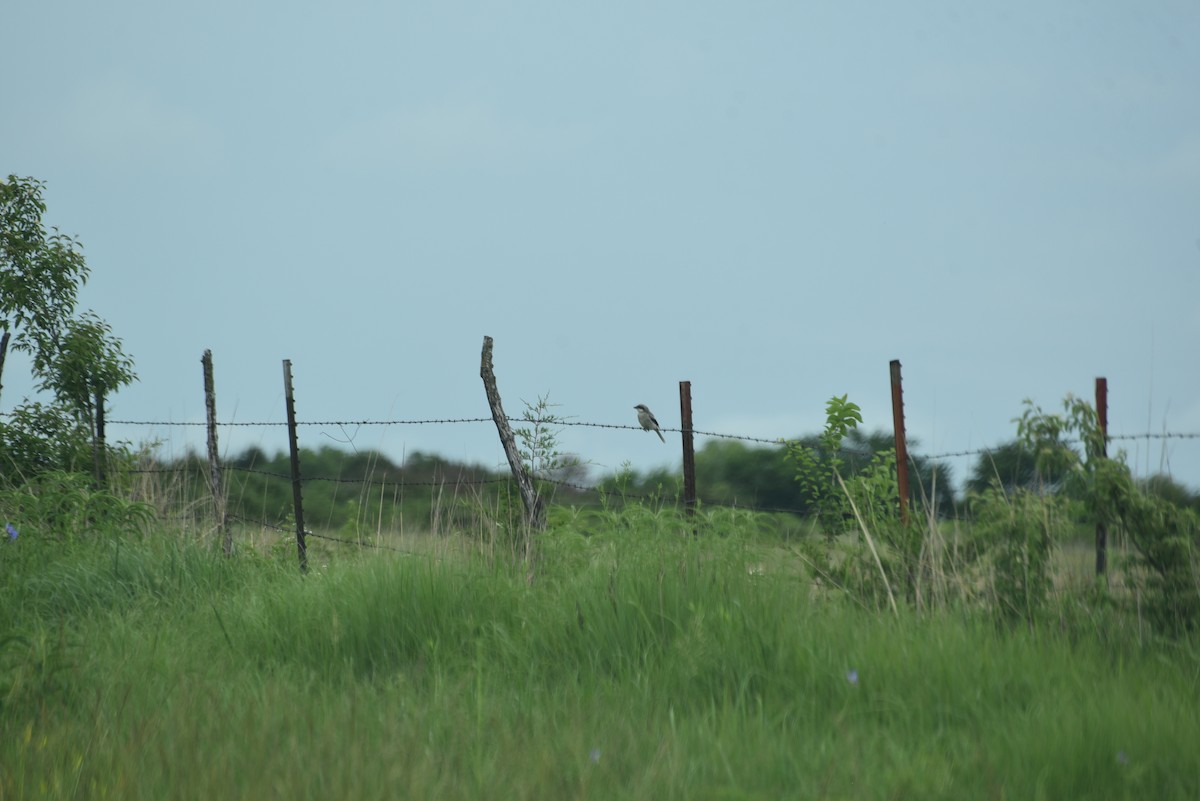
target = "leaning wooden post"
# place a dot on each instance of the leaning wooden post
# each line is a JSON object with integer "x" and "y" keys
{"x": 901, "y": 440}
{"x": 689, "y": 449}
{"x": 1101, "y": 524}
{"x": 535, "y": 509}
{"x": 215, "y": 483}
{"x": 297, "y": 503}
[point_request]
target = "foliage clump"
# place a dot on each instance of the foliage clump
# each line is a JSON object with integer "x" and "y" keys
{"x": 1068, "y": 482}
{"x": 75, "y": 359}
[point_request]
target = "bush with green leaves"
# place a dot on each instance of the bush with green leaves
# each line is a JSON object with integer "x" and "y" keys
{"x": 1019, "y": 529}
{"x": 1085, "y": 484}
{"x": 881, "y": 554}
{"x": 62, "y": 506}
{"x": 75, "y": 358}
{"x": 818, "y": 469}
{"x": 1165, "y": 568}
{"x": 36, "y": 438}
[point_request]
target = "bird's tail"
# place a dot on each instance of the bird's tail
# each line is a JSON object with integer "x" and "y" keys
{"x": 660, "y": 436}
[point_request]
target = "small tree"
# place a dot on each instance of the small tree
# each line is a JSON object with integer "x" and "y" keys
{"x": 40, "y": 272}
{"x": 1165, "y": 565}
{"x": 817, "y": 468}
{"x": 88, "y": 365}
{"x": 74, "y": 358}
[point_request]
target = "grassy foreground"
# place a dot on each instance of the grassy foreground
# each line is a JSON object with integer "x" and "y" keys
{"x": 638, "y": 665}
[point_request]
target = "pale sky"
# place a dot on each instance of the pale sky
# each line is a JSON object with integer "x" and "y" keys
{"x": 771, "y": 200}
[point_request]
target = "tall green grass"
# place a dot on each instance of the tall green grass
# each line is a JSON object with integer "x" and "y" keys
{"x": 640, "y": 663}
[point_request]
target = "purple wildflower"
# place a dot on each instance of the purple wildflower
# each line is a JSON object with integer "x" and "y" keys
{"x": 12, "y": 531}
{"x": 852, "y": 676}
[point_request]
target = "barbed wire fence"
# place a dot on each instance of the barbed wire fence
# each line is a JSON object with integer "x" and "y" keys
{"x": 615, "y": 426}
{"x": 781, "y": 442}
{"x": 578, "y": 489}
{"x": 217, "y": 467}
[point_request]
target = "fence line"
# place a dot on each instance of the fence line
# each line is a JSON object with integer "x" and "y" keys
{"x": 520, "y": 471}
{"x": 622, "y": 495}
{"x": 1165, "y": 435}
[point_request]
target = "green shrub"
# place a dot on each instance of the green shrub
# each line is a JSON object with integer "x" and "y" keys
{"x": 1019, "y": 530}
{"x": 64, "y": 506}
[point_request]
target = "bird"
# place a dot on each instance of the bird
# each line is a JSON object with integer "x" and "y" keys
{"x": 646, "y": 418}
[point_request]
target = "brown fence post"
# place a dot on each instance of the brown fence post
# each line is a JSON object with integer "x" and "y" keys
{"x": 215, "y": 484}
{"x": 1102, "y": 525}
{"x": 99, "y": 449}
{"x": 901, "y": 440}
{"x": 3, "y": 353}
{"x": 535, "y": 508}
{"x": 689, "y": 449}
{"x": 297, "y": 503}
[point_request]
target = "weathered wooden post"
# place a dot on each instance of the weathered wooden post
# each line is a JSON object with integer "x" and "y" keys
{"x": 535, "y": 509}
{"x": 215, "y": 484}
{"x": 901, "y": 439}
{"x": 1101, "y": 524}
{"x": 99, "y": 449}
{"x": 3, "y": 354}
{"x": 297, "y": 502}
{"x": 689, "y": 449}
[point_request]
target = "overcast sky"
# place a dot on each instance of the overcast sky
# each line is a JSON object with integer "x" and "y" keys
{"x": 770, "y": 200}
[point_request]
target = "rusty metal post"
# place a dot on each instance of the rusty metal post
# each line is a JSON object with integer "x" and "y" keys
{"x": 215, "y": 484}
{"x": 297, "y": 502}
{"x": 1102, "y": 525}
{"x": 901, "y": 439}
{"x": 689, "y": 449}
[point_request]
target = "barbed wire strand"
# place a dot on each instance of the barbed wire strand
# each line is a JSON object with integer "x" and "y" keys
{"x": 596, "y": 490}
{"x": 676, "y": 500}
{"x": 916, "y": 457}
{"x": 622, "y": 427}
{"x": 203, "y": 469}
{"x": 459, "y": 481}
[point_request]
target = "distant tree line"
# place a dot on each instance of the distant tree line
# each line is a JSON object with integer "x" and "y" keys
{"x": 360, "y": 491}
{"x": 732, "y": 472}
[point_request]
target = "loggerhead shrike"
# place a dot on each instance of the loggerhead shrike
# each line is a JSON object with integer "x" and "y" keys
{"x": 646, "y": 418}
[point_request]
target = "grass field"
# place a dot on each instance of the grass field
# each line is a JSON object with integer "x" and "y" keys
{"x": 639, "y": 664}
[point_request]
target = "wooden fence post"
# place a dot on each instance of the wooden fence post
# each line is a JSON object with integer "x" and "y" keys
{"x": 99, "y": 449}
{"x": 535, "y": 509}
{"x": 901, "y": 439}
{"x": 3, "y": 354}
{"x": 297, "y": 502}
{"x": 1102, "y": 525}
{"x": 215, "y": 484}
{"x": 689, "y": 449}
